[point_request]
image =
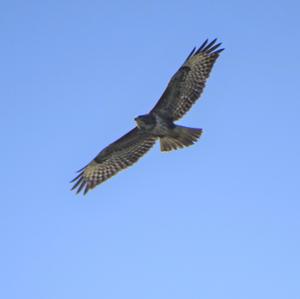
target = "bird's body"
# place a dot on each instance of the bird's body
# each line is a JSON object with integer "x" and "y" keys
{"x": 154, "y": 124}
{"x": 184, "y": 88}
{"x": 171, "y": 136}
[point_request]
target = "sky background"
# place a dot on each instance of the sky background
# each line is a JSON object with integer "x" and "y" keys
{"x": 220, "y": 219}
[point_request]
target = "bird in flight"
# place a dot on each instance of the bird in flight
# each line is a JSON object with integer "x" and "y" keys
{"x": 184, "y": 88}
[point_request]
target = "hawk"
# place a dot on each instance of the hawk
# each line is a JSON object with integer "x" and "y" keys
{"x": 184, "y": 88}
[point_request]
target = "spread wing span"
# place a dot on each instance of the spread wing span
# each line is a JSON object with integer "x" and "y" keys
{"x": 187, "y": 84}
{"x": 117, "y": 156}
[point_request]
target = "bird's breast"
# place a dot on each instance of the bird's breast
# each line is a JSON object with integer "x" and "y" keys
{"x": 162, "y": 126}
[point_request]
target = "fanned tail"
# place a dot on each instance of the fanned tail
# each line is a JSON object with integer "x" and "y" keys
{"x": 180, "y": 137}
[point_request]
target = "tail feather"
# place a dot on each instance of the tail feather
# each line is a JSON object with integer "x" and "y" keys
{"x": 180, "y": 137}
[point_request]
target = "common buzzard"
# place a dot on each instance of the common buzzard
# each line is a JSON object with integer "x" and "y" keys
{"x": 184, "y": 88}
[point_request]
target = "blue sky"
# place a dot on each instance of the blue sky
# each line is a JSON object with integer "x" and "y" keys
{"x": 217, "y": 220}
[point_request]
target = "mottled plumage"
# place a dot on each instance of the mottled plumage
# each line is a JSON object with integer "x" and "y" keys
{"x": 184, "y": 88}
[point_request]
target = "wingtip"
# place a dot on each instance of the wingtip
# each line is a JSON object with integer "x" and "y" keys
{"x": 191, "y": 54}
{"x": 202, "y": 46}
{"x": 86, "y": 190}
{"x": 219, "y": 50}
{"x": 208, "y": 47}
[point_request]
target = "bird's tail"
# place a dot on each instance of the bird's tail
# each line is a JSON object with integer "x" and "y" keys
{"x": 180, "y": 137}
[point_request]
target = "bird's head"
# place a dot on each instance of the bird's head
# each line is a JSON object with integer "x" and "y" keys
{"x": 146, "y": 121}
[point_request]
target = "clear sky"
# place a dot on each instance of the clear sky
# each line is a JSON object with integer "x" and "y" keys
{"x": 220, "y": 219}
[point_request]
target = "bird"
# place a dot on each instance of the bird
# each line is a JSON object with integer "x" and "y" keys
{"x": 182, "y": 91}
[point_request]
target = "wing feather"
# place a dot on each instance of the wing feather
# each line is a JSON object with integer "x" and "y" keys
{"x": 117, "y": 156}
{"x": 187, "y": 84}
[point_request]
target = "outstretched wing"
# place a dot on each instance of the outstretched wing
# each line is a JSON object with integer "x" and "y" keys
{"x": 115, "y": 157}
{"x": 187, "y": 84}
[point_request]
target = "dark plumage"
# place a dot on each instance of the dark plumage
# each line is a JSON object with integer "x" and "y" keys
{"x": 184, "y": 88}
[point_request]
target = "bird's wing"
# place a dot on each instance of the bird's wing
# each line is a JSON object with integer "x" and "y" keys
{"x": 187, "y": 84}
{"x": 115, "y": 157}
